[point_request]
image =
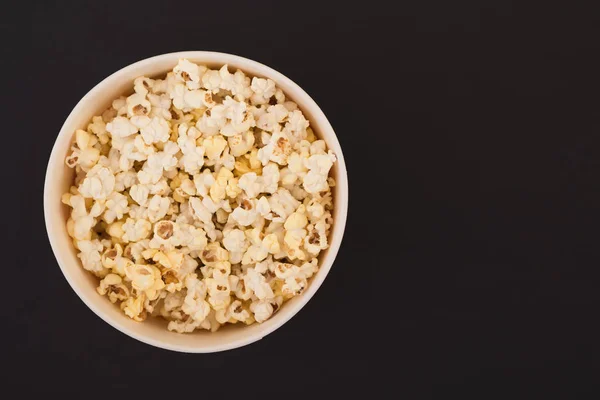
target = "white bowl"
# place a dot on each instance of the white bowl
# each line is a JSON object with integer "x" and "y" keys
{"x": 59, "y": 178}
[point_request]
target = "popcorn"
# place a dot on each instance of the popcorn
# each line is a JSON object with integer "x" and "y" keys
{"x": 116, "y": 230}
{"x": 166, "y": 234}
{"x": 189, "y": 265}
{"x": 112, "y": 286}
{"x": 308, "y": 269}
{"x": 238, "y": 84}
{"x": 156, "y": 131}
{"x": 153, "y": 168}
{"x": 140, "y": 193}
{"x": 120, "y": 264}
{"x": 282, "y": 204}
{"x": 186, "y": 326}
{"x": 111, "y": 161}
{"x": 241, "y": 143}
{"x": 203, "y": 182}
{"x": 125, "y": 180}
{"x": 262, "y": 310}
{"x": 251, "y": 184}
{"x": 279, "y": 113}
{"x": 263, "y": 90}
{"x": 293, "y": 238}
{"x": 289, "y": 105}
{"x": 271, "y": 244}
{"x": 285, "y": 271}
{"x": 318, "y": 147}
{"x": 253, "y": 161}
{"x": 296, "y": 220}
{"x": 193, "y": 238}
{"x": 172, "y": 302}
{"x": 169, "y": 260}
{"x": 98, "y": 128}
{"x": 241, "y": 291}
{"x": 214, "y": 146}
{"x": 137, "y": 105}
{"x": 316, "y": 238}
{"x": 121, "y": 127}
{"x": 297, "y": 192}
{"x": 256, "y": 282}
{"x": 194, "y": 303}
{"x": 294, "y": 286}
{"x": 221, "y": 270}
{"x": 320, "y": 163}
{"x": 133, "y": 251}
{"x": 200, "y": 211}
{"x": 90, "y": 256}
{"x": 315, "y": 210}
{"x": 268, "y": 122}
{"x": 98, "y": 183}
{"x": 141, "y": 85}
{"x": 246, "y": 213}
{"x": 84, "y": 154}
{"x": 238, "y": 312}
{"x": 203, "y": 197}
{"x": 218, "y": 190}
{"x": 270, "y": 178}
{"x": 136, "y": 230}
{"x": 190, "y": 73}
{"x": 211, "y": 80}
{"x": 296, "y": 169}
{"x": 218, "y": 293}
{"x": 235, "y": 241}
{"x": 82, "y": 221}
{"x": 278, "y": 149}
{"x": 211, "y": 121}
{"x": 160, "y": 106}
{"x": 314, "y": 182}
{"x": 110, "y": 256}
{"x": 157, "y": 208}
{"x": 211, "y": 323}
{"x": 145, "y": 278}
{"x": 295, "y": 127}
{"x": 120, "y": 105}
{"x": 222, "y": 216}
{"x": 264, "y": 208}
{"x": 239, "y": 119}
{"x": 134, "y": 149}
{"x": 116, "y": 207}
{"x": 233, "y": 189}
{"x": 214, "y": 253}
{"x": 138, "y": 212}
{"x": 226, "y": 161}
{"x": 133, "y": 307}
{"x": 279, "y": 96}
{"x": 183, "y": 98}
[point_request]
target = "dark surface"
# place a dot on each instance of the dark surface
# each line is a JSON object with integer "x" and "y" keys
{"x": 471, "y": 131}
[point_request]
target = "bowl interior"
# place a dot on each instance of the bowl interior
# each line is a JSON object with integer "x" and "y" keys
{"x": 59, "y": 178}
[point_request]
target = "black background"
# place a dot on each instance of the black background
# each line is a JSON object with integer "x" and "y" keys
{"x": 471, "y": 134}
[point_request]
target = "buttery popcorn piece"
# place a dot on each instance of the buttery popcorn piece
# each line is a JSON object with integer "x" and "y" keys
{"x": 121, "y": 127}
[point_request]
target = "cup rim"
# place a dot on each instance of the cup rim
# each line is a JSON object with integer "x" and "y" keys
{"x": 341, "y": 201}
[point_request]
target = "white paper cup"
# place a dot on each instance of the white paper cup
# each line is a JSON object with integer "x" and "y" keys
{"x": 59, "y": 178}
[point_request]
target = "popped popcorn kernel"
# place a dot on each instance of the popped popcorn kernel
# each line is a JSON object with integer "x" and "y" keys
{"x": 98, "y": 183}
{"x": 121, "y": 127}
{"x": 113, "y": 287}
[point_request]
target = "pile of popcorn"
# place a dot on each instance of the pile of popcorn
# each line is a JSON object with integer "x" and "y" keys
{"x": 203, "y": 198}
